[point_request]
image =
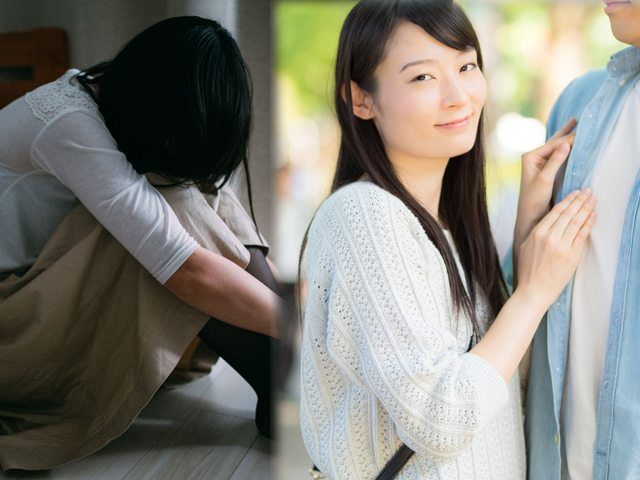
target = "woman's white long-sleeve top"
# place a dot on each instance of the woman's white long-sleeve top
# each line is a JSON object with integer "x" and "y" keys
{"x": 384, "y": 355}
{"x": 56, "y": 151}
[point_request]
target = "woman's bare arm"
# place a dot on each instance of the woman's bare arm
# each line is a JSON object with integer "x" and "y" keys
{"x": 220, "y": 288}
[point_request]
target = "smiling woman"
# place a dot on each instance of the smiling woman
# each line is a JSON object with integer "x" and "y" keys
{"x": 409, "y": 339}
{"x": 426, "y": 110}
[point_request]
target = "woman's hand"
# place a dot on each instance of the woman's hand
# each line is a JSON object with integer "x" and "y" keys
{"x": 549, "y": 257}
{"x": 550, "y": 254}
{"x": 539, "y": 169}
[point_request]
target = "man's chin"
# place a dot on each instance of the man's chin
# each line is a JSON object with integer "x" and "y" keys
{"x": 626, "y": 30}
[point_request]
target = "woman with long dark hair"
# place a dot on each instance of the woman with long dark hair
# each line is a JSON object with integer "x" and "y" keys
{"x": 88, "y": 333}
{"x": 410, "y": 343}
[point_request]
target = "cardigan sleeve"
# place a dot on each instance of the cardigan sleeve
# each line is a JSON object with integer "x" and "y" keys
{"x": 390, "y": 324}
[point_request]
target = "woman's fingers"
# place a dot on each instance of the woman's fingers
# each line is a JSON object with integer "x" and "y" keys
{"x": 584, "y": 231}
{"x": 563, "y": 220}
{"x": 550, "y": 218}
{"x": 553, "y": 144}
{"x": 547, "y": 150}
{"x": 560, "y": 137}
{"x": 565, "y": 129}
{"x": 578, "y": 221}
{"x": 549, "y": 171}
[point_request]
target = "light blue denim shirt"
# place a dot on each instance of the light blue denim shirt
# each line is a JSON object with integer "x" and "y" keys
{"x": 596, "y": 100}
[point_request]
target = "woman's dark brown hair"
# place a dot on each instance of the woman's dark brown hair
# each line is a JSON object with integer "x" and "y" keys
{"x": 463, "y": 206}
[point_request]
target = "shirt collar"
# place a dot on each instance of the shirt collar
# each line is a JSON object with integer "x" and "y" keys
{"x": 624, "y": 62}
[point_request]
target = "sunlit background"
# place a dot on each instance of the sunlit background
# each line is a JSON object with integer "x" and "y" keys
{"x": 531, "y": 50}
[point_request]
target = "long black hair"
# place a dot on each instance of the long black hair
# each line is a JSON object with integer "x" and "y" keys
{"x": 463, "y": 207}
{"x": 177, "y": 100}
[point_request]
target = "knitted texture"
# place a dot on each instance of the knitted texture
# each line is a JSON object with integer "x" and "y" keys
{"x": 384, "y": 357}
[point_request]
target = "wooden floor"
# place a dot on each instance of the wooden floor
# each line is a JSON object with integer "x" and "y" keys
{"x": 204, "y": 430}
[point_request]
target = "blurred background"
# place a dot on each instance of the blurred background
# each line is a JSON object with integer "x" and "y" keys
{"x": 531, "y": 50}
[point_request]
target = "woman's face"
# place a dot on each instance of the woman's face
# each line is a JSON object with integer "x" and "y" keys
{"x": 428, "y": 99}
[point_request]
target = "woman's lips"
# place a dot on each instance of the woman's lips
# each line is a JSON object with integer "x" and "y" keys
{"x": 460, "y": 123}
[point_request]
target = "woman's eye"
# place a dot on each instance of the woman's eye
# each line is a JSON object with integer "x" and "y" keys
{"x": 422, "y": 78}
{"x": 468, "y": 67}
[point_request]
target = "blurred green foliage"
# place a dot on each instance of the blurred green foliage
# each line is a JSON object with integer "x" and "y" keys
{"x": 600, "y": 42}
{"x": 307, "y": 42}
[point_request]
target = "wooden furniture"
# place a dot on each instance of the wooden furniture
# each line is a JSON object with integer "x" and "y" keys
{"x": 33, "y": 57}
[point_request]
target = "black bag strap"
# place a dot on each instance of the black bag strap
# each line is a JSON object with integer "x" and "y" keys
{"x": 396, "y": 463}
{"x": 389, "y": 472}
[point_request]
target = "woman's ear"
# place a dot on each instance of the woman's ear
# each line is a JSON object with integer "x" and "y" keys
{"x": 362, "y": 101}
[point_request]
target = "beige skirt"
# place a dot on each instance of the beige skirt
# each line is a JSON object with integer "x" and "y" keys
{"x": 87, "y": 335}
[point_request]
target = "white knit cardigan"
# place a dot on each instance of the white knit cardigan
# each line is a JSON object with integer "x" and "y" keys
{"x": 384, "y": 358}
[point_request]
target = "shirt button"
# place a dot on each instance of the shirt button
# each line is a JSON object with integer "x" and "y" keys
{"x": 555, "y": 437}
{"x": 621, "y": 82}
